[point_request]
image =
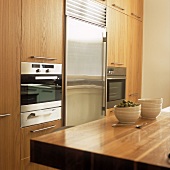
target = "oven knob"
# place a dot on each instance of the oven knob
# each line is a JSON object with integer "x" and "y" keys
{"x": 38, "y": 70}
{"x": 47, "y": 71}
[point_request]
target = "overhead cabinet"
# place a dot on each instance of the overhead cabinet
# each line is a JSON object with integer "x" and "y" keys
{"x": 116, "y": 38}
{"x": 134, "y": 60}
{"x": 101, "y": 1}
{"x": 10, "y": 34}
{"x": 120, "y": 5}
{"x": 133, "y": 8}
{"x": 42, "y": 31}
{"x": 136, "y": 9}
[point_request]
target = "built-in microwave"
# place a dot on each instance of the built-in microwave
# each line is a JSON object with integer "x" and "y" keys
{"x": 116, "y": 85}
{"x": 41, "y": 92}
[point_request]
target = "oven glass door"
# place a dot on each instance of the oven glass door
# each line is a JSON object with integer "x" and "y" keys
{"x": 39, "y": 89}
{"x": 115, "y": 89}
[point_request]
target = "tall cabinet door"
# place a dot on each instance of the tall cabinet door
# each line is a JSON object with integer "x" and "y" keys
{"x": 136, "y": 9}
{"x": 10, "y": 29}
{"x": 42, "y": 30}
{"x": 117, "y": 38}
{"x": 134, "y": 61}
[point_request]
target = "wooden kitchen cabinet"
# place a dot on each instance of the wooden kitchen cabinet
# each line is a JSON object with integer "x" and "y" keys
{"x": 136, "y": 9}
{"x": 116, "y": 38}
{"x": 30, "y": 132}
{"x": 110, "y": 112}
{"x": 134, "y": 61}
{"x": 101, "y": 1}
{"x": 42, "y": 31}
{"x": 26, "y": 165}
{"x": 10, "y": 29}
{"x": 33, "y": 131}
{"x": 120, "y": 5}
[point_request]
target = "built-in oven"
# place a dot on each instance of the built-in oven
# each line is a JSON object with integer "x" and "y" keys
{"x": 41, "y": 92}
{"x": 116, "y": 85}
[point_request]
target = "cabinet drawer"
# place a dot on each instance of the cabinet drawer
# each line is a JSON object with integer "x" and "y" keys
{"x": 34, "y": 131}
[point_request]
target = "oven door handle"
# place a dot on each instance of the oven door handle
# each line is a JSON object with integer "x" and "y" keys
{"x": 116, "y": 78}
{"x": 46, "y": 77}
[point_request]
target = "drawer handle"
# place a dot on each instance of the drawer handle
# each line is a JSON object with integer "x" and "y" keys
{"x": 40, "y": 57}
{"x": 133, "y": 94}
{"x": 117, "y": 63}
{"x": 5, "y": 115}
{"x": 38, "y": 130}
{"x": 118, "y": 7}
{"x": 135, "y": 15}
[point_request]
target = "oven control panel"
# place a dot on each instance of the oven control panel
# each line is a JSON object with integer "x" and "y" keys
{"x": 40, "y": 68}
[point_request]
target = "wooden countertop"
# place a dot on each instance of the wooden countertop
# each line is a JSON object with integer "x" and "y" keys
{"x": 99, "y": 146}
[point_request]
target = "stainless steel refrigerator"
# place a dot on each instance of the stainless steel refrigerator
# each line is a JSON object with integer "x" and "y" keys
{"x": 85, "y": 61}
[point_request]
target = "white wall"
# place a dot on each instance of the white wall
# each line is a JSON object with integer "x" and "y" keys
{"x": 156, "y": 50}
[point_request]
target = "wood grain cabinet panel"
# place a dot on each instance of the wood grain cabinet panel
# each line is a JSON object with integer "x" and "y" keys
{"x": 110, "y": 112}
{"x": 10, "y": 30}
{"x": 136, "y": 9}
{"x": 134, "y": 61}
{"x": 120, "y": 5}
{"x": 26, "y": 165}
{"x": 42, "y": 30}
{"x": 116, "y": 38}
{"x": 30, "y": 132}
{"x": 33, "y": 131}
{"x": 101, "y": 1}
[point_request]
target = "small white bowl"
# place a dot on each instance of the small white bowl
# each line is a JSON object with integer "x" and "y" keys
{"x": 150, "y": 113}
{"x": 127, "y": 114}
{"x": 151, "y": 100}
{"x": 150, "y": 105}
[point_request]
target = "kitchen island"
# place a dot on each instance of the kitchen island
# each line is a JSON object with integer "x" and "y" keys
{"x": 99, "y": 146}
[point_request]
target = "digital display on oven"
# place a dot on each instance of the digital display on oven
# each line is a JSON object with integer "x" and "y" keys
{"x": 35, "y": 65}
{"x": 47, "y": 66}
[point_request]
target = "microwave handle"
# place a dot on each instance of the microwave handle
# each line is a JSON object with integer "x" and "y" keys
{"x": 32, "y": 115}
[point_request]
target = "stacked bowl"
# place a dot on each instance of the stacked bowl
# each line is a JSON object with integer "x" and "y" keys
{"x": 127, "y": 111}
{"x": 127, "y": 114}
{"x": 150, "y": 107}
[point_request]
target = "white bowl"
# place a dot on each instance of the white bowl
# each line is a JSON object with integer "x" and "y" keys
{"x": 151, "y": 100}
{"x": 151, "y": 109}
{"x": 150, "y": 105}
{"x": 150, "y": 113}
{"x": 127, "y": 114}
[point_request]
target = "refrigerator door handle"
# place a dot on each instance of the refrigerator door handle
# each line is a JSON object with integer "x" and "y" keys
{"x": 104, "y": 72}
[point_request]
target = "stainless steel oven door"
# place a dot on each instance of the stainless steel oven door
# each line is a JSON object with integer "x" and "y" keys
{"x": 38, "y": 90}
{"x": 115, "y": 90}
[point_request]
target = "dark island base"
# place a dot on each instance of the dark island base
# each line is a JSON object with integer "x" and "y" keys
{"x": 71, "y": 159}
